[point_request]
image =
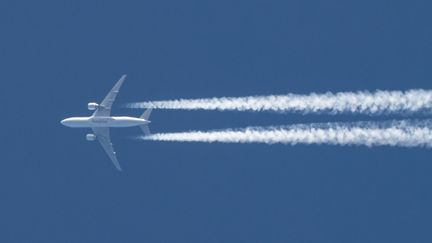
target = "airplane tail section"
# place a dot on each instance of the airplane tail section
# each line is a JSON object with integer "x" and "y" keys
{"x": 146, "y": 130}
{"x": 146, "y": 114}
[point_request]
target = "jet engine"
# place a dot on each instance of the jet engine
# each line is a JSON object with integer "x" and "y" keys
{"x": 92, "y": 106}
{"x": 90, "y": 137}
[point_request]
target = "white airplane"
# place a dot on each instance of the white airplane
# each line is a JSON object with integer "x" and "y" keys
{"x": 101, "y": 121}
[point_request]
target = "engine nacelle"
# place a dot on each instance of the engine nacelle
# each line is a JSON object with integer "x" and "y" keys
{"x": 92, "y": 106}
{"x": 90, "y": 137}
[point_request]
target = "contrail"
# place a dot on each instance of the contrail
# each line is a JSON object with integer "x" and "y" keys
{"x": 379, "y": 102}
{"x": 404, "y": 133}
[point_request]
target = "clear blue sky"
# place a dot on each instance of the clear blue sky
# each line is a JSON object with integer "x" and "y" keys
{"x": 55, "y": 56}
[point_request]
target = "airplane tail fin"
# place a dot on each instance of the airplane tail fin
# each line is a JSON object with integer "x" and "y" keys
{"x": 146, "y": 116}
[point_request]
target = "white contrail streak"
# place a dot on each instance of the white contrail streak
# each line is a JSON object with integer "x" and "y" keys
{"x": 396, "y": 133}
{"x": 379, "y": 102}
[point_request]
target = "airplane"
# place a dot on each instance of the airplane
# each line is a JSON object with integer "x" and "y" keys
{"x": 101, "y": 121}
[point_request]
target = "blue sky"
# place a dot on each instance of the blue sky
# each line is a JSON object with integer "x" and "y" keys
{"x": 56, "y": 56}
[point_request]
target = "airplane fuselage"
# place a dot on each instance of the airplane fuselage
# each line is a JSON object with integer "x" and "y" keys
{"x": 101, "y": 121}
{"x": 112, "y": 121}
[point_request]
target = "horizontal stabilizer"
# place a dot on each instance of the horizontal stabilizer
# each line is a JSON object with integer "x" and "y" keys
{"x": 146, "y": 114}
{"x": 146, "y": 130}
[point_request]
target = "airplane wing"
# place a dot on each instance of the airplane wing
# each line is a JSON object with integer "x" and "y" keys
{"x": 104, "y": 108}
{"x": 103, "y": 135}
